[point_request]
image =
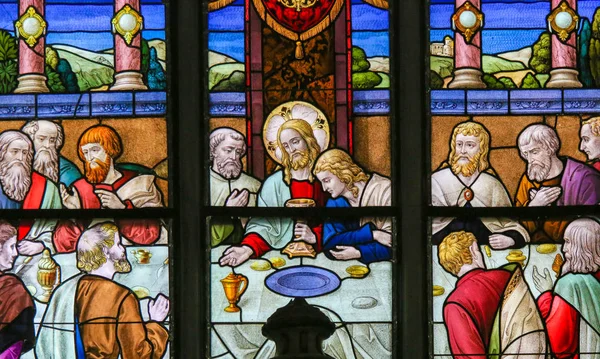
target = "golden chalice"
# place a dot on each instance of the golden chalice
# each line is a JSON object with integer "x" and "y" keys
{"x": 233, "y": 292}
{"x": 48, "y": 275}
{"x": 143, "y": 256}
{"x": 300, "y": 248}
{"x": 516, "y": 256}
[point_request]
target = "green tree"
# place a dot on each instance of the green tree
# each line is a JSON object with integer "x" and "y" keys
{"x": 530, "y": 82}
{"x": 156, "y": 74}
{"x": 145, "y": 65}
{"x": 594, "y": 54}
{"x": 54, "y": 83}
{"x": 491, "y": 82}
{"x": 365, "y": 80}
{"x": 583, "y": 55}
{"x": 359, "y": 60}
{"x": 540, "y": 61}
{"x": 67, "y": 76}
{"x": 508, "y": 82}
{"x": 435, "y": 81}
{"x": 8, "y": 46}
{"x": 51, "y": 57}
{"x": 8, "y": 76}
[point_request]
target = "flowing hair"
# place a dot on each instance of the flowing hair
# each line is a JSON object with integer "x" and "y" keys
{"x": 582, "y": 238}
{"x": 594, "y": 123}
{"x": 477, "y": 130}
{"x": 454, "y": 251}
{"x": 90, "y": 246}
{"x": 341, "y": 165}
{"x": 306, "y": 132}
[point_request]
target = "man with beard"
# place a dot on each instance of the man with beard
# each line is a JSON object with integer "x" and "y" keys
{"x": 17, "y": 311}
{"x": 590, "y": 141}
{"x": 105, "y": 186}
{"x": 92, "y": 316}
{"x": 491, "y": 313}
{"x": 48, "y": 138}
{"x": 552, "y": 181}
{"x": 572, "y": 310}
{"x": 299, "y": 150}
{"x": 23, "y": 188}
{"x": 229, "y": 186}
{"x": 467, "y": 180}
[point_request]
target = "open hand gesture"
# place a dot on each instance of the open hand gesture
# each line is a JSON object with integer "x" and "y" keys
{"x": 158, "y": 308}
{"x": 542, "y": 283}
{"x": 109, "y": 199}
{"x": 71, "y": 201}
{"x": 235, "y": 256}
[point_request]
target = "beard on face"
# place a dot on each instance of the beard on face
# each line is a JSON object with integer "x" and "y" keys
{"x": 121, "y": 263}
{"x": 466, "y": 169}
{"x": 538, "y": 171}
{"x": 228, "y": 168}
{"x": 46, "y": 163}
{"x": 15, "y": 177}
{"x": 97, "y": 174}
{"x": 299, "y": 160}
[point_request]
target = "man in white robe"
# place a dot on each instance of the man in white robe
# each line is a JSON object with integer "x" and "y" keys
{"x": 229, "y": 185}
{"x": 467, "y": 180}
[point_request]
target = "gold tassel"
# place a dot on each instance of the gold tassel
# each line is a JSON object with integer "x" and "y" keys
{"x": 299, "y": 50}
{"x": 382, "y": 4}
{"x": 218, "y": 4}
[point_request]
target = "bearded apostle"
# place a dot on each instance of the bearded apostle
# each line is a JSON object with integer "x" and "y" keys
{"x": 48, "y": 138}
{"x": 572, "y": 310}
{"x": 489, "y": 311}
{"x": 92, "y": 316}
{"x": 468, "y": 180}
{"x": 299, "y": 150}
{"x": 552, "y": 181}
{"x": 590, "y": 141}
{"x": 17, "y": 311}
{"x": 368, "y": 239}
{"x": 229, "y": 185}
{"x": 106, "y": 186}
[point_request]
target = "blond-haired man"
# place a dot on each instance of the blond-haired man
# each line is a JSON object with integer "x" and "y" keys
{"x": 299, "y": 150}
{"x": 368, "y": 239}
{"x": 590, "y": 141}
{"x": 92, "y": 303}
{"x": 467, "y": 180}
{"x": 483, "y": 298}
{"x": 572, "y": 310}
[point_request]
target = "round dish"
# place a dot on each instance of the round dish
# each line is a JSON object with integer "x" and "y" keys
{"x": 303, "y": 281}
{"x": 357, "y": 271}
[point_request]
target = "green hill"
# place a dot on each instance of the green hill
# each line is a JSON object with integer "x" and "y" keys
{"x": 221, "y": 72}
{"x": 491, "y": 64}
{"x": 90, "y": 74}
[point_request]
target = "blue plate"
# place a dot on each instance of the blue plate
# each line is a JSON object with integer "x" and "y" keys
{"x": 303, "y": 281}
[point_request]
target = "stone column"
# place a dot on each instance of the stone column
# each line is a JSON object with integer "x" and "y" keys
{"x": 32, "y": 60}
{"x": 128, "y": 58}
{"x": 467, "y": 56}
{"x": 564, "y": 72}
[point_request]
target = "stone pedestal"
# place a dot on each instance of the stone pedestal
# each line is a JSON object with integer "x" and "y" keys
{"x": 32, "y": 77}
{"x": 467, "y": 58}
{"x": 564, "y": 72}
{"x": 128, "y": 57}
{"x": 298, "y": 331}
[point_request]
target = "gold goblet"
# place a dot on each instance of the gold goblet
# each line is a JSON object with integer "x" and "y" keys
{"x": 48, "y": 275}
{"x": 233, "y": 292}
{"x": 516, "y": 256}
{"x": 300, "y": 248}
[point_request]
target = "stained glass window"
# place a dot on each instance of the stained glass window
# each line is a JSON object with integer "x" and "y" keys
{"x": 85, "y": 187}
{"x": 300, "y": 194}
{"x": 514, "y": 178}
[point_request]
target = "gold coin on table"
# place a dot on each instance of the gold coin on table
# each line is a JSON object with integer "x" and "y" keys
{"x": 438, "y": 290}
{"x": 277, "y": 262}
{"x": 357, "y": 271}
{"x": 546, "y": 248}
{"x": 261, "y": 265}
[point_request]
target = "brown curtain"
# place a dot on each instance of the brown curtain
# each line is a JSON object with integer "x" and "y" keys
{"x": 382, "y": 4}
{"x": 218, "y": 4}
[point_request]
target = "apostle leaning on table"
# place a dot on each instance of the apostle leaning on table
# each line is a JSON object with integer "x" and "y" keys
{"x": 468, "y": 180}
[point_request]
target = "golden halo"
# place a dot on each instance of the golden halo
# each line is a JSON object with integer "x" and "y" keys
{"x": 297, "y": 110}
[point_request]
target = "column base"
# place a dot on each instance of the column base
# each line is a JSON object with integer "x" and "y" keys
{"x": 32, "y": 83}
{"x": 467, "y": 78}
{"x": 128, "y": 81}
{"x": 564, "y": 78}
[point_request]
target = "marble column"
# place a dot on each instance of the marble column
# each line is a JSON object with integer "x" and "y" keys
{"x": 32, "y": 60}
{"x": 128, "y": 57}
{"x": 467, "y": 56}
{"x": 564, "y": 72}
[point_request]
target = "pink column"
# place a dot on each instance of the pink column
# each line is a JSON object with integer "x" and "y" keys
{"x": 128, "y": 58}
{"x": 256, "y": 105}
{"x": 32, "y": 77}
{"x": 564, "y": 57}
{"x": 467, "y": 57}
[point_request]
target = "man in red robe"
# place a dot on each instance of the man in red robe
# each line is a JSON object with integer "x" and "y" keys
{"x": 572, "y": 310}
{"x": 17, "y": 311}
{"x": 480, "y": 298}
{"x": 299, "y": 151}
{"x": 105, "y": 186}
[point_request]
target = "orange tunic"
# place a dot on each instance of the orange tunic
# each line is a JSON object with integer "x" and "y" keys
{"x": 540, "y": 231}
{"x": 111, "y": 322}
